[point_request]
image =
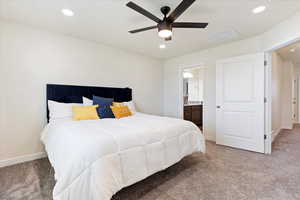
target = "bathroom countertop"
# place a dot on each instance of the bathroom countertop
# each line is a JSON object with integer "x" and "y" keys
{"x": 193, "y": 104}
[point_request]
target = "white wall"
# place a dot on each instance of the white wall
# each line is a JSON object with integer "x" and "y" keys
{"x": 285, "y": 31}
{"x": 31, "y": 58}
{"x": 277, "y": 92}
{"x": 2, "y": 86}
{"x": 296, "y": 70}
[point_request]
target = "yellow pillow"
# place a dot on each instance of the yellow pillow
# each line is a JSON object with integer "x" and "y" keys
{"x": 120, "y": 111}
{"x": 118, "y": 104}
{"x": 85, "y": 112}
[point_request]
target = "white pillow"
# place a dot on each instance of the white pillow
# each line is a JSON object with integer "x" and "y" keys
{"x": 87, "y": 101}
{"x": 131, "y": 106}
{"x": 61, "y": 110}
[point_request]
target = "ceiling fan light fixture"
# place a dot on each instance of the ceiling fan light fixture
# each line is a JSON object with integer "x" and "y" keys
{"x": 165, "y": 33}
{"x": 67, "y": 12}
{"x": 162, "y": 46}
{"x": 164, "y": 30}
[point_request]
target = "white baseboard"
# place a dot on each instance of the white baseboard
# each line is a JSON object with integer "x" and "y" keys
{"x": 275, "y": 133}
{"x": 22, "y": 159}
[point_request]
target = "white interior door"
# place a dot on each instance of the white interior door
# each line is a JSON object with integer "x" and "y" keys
{"x": 240, "y": 102}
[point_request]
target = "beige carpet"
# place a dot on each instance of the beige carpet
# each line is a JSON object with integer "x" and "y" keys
{"x": 222, "y": 174}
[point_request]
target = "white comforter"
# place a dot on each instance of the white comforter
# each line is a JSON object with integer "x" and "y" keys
{"x": 94, "y": 159}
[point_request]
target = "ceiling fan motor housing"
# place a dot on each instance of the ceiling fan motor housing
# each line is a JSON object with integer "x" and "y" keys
{"x": 164, "y": 25}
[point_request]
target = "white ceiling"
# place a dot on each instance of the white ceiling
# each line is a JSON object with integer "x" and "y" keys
{"x": 286, "y": 53}
{"x": 107, "y": 21}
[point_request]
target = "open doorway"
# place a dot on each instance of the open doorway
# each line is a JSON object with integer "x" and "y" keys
{"x": 193, "y": 95}
{"x": 284, "y": 90}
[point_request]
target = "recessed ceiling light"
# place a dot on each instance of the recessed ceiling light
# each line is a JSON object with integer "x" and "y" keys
{"x": 67, "y": 12}
{"x": 162, "y": 46}
{"x": 292, "y": 50}
{"x": 259, "y": 9}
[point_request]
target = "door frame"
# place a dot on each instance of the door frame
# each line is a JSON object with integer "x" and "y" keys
{"x": 268, "y": 91}
{"x": 298, "y": 99}
{"x": 268, "y": 102}
{"x": 295, "y": 100}
{"x": 180, "y": 98}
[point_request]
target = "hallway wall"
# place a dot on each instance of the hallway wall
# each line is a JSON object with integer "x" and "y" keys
{"x": 287, "y": 95}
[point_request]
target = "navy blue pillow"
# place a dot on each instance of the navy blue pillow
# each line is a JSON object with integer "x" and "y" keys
{"x": 104, "y": 110}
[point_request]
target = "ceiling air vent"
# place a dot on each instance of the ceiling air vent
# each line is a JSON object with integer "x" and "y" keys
{"x": 223, "y": 36}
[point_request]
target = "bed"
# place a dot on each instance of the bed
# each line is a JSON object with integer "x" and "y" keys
{"x": 94, "y": 159}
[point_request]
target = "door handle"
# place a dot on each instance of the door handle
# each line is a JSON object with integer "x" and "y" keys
{"x": 218, "y": 106}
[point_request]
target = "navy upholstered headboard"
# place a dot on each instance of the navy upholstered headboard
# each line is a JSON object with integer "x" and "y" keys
{"x": 62, "y": 93}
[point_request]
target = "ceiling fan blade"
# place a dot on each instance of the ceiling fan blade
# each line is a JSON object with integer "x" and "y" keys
{"x": 143, "y": 29}
{"x": 142, "y": 11}
{"x": 185, "y": 4}
{"x": 189, "y": 25}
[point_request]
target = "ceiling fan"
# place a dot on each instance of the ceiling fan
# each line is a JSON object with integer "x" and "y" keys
{"x": 166, "y": 25}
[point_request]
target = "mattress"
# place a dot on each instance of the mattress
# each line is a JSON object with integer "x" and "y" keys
{"x": 94, "y": 159}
